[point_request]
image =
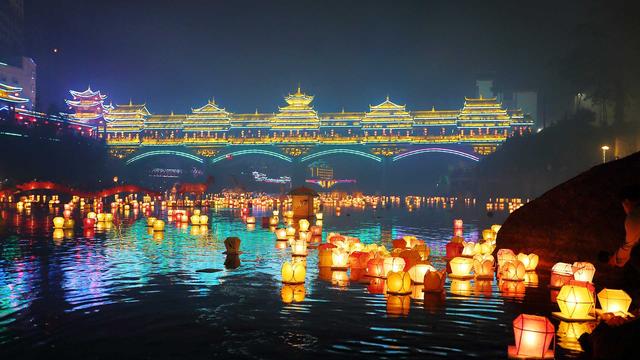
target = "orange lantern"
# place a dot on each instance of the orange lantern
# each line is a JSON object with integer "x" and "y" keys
{"x": 299, "y": 248}
{"x": 561, "y": 274}
{"x": 583, "y": 271}
{"x": 398, "y": 282}
{"x": 512, "y": 271}
{"x": 614, "y": 301}
{"x": 339, "y": 259}
{"x": 281, "y": 234}
{"x": 292, "y": 293}
{"x": 575, "y": 302}
{"x": 505, "y": 255}
{"x": 418, "y": 271}
{"x": 533, "y": 336}
{"x": 376, "y": 286}
{"x": 375, "y": 267}
{"x": 339, "y": 278}
{"x": 457, "y": 223}
{"x": 453, "y": 249}
{"x": 461, "y": 267}
{"x": 316, "y": 230}
{"x": 398, "y": 305}
{"x": 434, "y": 281}
{"x": 359, "y": 260}
{"x": 530, "y": 261}
{"x": 293, "y": 274}
{"x": 399, "y": 244}
{"x": 411, "y": 258}
{"x": 393, "y": 263}
{"x": 325, "y": 255}
{"x": 483, "y": 266}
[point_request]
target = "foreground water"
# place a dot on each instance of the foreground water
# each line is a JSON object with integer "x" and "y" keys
{"x": 123, "y": 292}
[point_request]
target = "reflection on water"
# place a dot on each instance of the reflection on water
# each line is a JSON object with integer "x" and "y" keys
{"x": 175, "y": 294}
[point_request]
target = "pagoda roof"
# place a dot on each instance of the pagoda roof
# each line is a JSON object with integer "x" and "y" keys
{"x": 298, "y": 100}
{"x": 87, "y": 93}
{"x": 387, "y": 104}
{"x": 5, "y": 87}
{"x": 131, "y": 108}
{"x": 209, "y": 107}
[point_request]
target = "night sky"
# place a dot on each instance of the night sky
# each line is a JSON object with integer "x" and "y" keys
{"x": 174, "y": 55}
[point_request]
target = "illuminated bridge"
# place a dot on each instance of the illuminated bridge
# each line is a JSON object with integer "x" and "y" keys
{"x": 297, "y": 133}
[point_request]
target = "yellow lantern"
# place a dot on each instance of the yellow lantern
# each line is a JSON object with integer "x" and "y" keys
{"x": 303, "y": 225}
{"x": 393, "y": 263}
{"x": 101, "y": 217}
{"x": 488, "y": 235}
{"x": 533, "y": 335}
{"x": 91, "y": 215}
{"x": 339, "y": 259}
{"x": 204, "y": 219}
{"x": 68, "y": 224}
{"x": 58, "y": 222}
{"x": 418, "y": 271}
{"x": 304, "y": 235}
{"x": 281, "y": 234}
{"x": 512, "y": 271}
{"x": 291, "y": 232}
{"x": 196, "y": 212}
{"x": 251, "y": 220}
{"x": 483, "y": 266}
{"x": 158, "y": 225}
{"x": 461, "y": 267}
{"x": 505, "y": 255}
{"x": 273, "y": 221}
{"x": 292, "y": 293}
{"x": 530, "y": 261}
{"x": 614, "y": 301}
{"x": 299, "y": 248}
{"x": 469, "y": 249}
{"x": 486, "y": 248}
{"x": 293, "y": 274}
{"x": 583, "y": 271}
{"x": 195, "y": 219}
{"x": 151, "y": 220}
{"x": 398, "y": 282}
{"x": 339, "y": 278}
{"x": 319, "y": 216}
{"x": 496, "y": 228}
{"x": 575, "y": 302}
{"x": 58, "y": 234}
{"x": 108, "y": 217}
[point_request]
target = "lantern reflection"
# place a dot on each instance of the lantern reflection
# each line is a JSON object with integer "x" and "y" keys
{"x": 461, "y": 287}
{"x": 398, "y": 305}
{"x": 569, "y": 332}
{"x": 376, "y": 286}
{"x": 339, "y": 278}
{"x": 292, "y": 293}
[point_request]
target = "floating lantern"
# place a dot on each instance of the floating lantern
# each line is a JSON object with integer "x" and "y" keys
{"x": 91, "y": 215}
{"x": 418, "y": 271}
{"x": 561, "y": 274}
{"x": 150, "y": 221}
{"x": 398, "y": 282}
{"x": 204, "y": 219}
{"x": 399, "y": 244}
{"x": 530, "y": 261}
{"x": 469, "y": 249}
{"x": 325, "y": 255}
{"x": 359, "y": 260}
{"x": 291, "y": 232}
{"x": 496, "y": 228}
{"x": 319, "y": 216}
{"x": 299, "y": 248}
{"x": 411, "y": 258}
{"x": 68, "y": 224}
{"x": 251, "y": 220}
{"x": 488, "y": 235}
{"x": 461, "y": 267}
{"x": 303, "y": 225}
{"x": 434, "y": 281}
{"x": 293, "y": 273}
{"x": 58, "y": 222}
{"x": 339, "y": 278}
{"x": 376, "y": 286}
{"x": 393, "y": 263}
{"x": 398, "y": 305}
{"x": 292, "y": 293}
{"x": 339, "y": 259}
{"x": 457, "y": 223}
{"x": 483, "y": 266}
{"x": 158, "y": 225}
{"x": 423, "y": 250}
{"x": 375, "y": 267}
{"x": 533, "y": 336}
{"x": 513, "y": 270}
{"x": 66, "y": 214}
{"x": 583, "y": 271}
{"x": 101, "y": 217}
{"x": 281, "y": 234}
{"x": 575, "y": 302}
{"x": 195, "y": 219}
{"x": 108, "y": 217}
{"x": 505, "y": 255}
{"x": 614, "y": 301}
{"x": 453, "y": 249}
{"x": 89, "y": 222}
{"x": 273, "y": 221}
{"x": 316, "y": 230}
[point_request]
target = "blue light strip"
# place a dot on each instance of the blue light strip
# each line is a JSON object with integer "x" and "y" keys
{"x": 436, "y": 150}
{"x": 251, "y": 151}
{"x": 341, "y": 151}
{"x": 165, "y": 152}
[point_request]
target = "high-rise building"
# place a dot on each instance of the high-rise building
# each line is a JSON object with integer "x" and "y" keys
{"x": 20, "y": 73}
{"x": 11, "y": 28}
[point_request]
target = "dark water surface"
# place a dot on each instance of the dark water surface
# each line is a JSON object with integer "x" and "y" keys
{"x": 122, "y": 292}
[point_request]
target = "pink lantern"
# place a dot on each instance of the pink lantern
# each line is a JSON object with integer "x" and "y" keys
{"x": 533, "y": 336}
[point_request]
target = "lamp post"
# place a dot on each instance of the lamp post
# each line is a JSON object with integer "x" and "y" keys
{"x": 604, "y": 153}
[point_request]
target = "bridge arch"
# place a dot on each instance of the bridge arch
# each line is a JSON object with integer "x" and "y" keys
{"x": 165, "y": 153}
{"x": 341, "y": 151}
{"x": 436, "y": 150}
{"x": 249, "y": 152}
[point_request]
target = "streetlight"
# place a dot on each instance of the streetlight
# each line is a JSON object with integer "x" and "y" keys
{"x": 604, "y": 153}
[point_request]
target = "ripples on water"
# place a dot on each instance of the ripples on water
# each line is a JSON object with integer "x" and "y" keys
{"x": 124, "y": 291}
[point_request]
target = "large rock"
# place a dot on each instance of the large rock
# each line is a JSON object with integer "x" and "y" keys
{"x": 575, "y": 220}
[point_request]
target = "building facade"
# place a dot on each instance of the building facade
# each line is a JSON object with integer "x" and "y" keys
{"x": 20, "y": 73}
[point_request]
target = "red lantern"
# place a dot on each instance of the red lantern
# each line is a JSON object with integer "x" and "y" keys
{"x": 454, "y": 249}
{"x": 89, "y": 222}
{"x": 399, "y": 244}
{"x": 376, "y": 286}
{"x": 335, "y": 238}
{"x": 411, "y": 258}
{"x": 375, "y": 267}
{"x": 358, "y": 260}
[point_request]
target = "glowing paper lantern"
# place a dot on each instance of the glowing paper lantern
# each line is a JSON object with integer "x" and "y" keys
{"x": 339, "y": 259}
{"x": 457, "y": 223}
{"x": 91, "y": 215}
{"x": 158, "y": 225}
{"x": 101, "y": 217}
{"x": 423, "y": 250}
{"x": 461, "y": 267}
{"x": 281, "y": 234}
{"x": 195, "y": 219}
{"x": 303, "y": 224}
{"x": 453, "y": 249}
{"x": 496, "y": 228}
{"x": 291, "y": 232}
{"x": 375, "y": 267}
{"x": 316, "y": 230}
{"x": 89, "y": 222}
{"x": 150, "y": 221}
{"x": 575, "y": 302}
{"x": 68, "y": 224}
{"x": 399, "y": 244}
{"x": 273, "y": 221}
{"x": 561, "y": 274}
{"x": 376, "y": 286}
{"x": 530, "y": 261}
{"x": 359, "y": 260}
{"x": 325, "y": 255}
{"x": 299, "y": 248}
{"x": 483, "y": 266}
{"x": 393, "y": 263}
{"x": 505, "y": 255}
{"x": 319, "y": 216}
{"x": 204, "y": 219}
{"x": 108, "y": 217}
{"x": 411, "y": 258}
{"x": 583, "y": 271}
{"x": 488, "y": 235}
{"x": 339, "y": 278}
{"x": 398, "y": 282}
{"x": 533, "y": 336}
{"x": 469, "y": 249}
{"x": 58, "y": 222}
{"x": 293, "y": 273}
{"x": 512, "y": 271}
{"x": 418, "y": 271}
{"x": 251, "y": 220}
{"x": 614, "y": 301}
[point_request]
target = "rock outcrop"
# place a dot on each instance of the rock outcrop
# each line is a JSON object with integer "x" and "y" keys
{"x": 575, "y": 220}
